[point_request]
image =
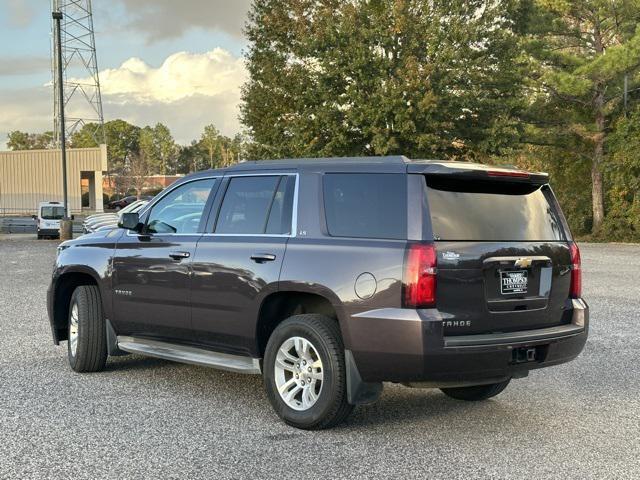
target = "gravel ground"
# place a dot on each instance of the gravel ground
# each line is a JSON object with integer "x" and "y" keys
{"x": 146, "y": 418}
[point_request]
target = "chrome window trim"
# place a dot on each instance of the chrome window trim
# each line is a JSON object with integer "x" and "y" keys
{"x": 163, "y": 194}
{"x": 294, "y": 212}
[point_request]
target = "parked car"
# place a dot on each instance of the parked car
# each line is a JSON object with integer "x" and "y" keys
{"x": 95, "y": 221}
{"x": 48, "y": 219}
{"x": 123, "y": 202}
{"x": 331, "y": 276}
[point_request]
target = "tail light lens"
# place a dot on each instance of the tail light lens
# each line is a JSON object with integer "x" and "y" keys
{"x": 576, "y": 271}
{"x": 419, "y": 281}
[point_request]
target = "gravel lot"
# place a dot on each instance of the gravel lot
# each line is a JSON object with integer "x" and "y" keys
{"x": 146, "y": 418}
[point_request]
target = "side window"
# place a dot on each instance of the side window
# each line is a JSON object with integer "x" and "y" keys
{"x": 180, "y": 211}
{"x": 257, "y": 205}
{"x": 369, "y": 205}
{"x": 282, "y": 208}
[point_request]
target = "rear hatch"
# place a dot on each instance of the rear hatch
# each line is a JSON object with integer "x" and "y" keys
{"x": 502, "y": 248}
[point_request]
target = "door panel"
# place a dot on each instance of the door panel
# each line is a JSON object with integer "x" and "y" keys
{"x": 152, "y": 270}
{"x": 151, "y": 289}
{"x": 239, "y": 264}
{"x": 228, "y": 287}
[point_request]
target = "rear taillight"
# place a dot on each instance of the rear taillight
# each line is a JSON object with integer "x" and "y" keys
{"x": 419, "y": 281}
{"x": 576, "y": 271}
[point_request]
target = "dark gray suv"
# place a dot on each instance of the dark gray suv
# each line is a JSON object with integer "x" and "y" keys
{"x": 331, "y": 276}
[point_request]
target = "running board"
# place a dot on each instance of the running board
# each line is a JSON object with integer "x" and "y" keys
{"x": 191, "y": 355}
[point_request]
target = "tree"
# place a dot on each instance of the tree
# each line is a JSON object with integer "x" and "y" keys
{"x": 122, "y": 142}
{"x": 382, "y": 77}
{"x": 18, "y": 140}
{"x": 581, "y": 51}
{"x": 138, "y": 173}
{"x": 158, "y": 146}
{"x": 210, "y": 142}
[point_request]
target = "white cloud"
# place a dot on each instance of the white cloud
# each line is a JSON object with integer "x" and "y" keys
{"x": 180, "y": 76}
{"x": 186, "y": 92}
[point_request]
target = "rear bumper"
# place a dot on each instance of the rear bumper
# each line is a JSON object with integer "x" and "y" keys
{"x": 53, "y": 232}
{"x": 409, "y": 346}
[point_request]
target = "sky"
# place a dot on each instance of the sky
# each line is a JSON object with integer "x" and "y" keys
{"x": 178, "y": 62}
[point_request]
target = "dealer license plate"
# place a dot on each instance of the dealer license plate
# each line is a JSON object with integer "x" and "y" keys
{"x": 513, "y": 281}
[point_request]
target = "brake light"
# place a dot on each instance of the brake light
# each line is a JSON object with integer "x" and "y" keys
{"x": 576, "y": 271}
{"x": 419, "y": 280}
{"x": 507, "y": 173}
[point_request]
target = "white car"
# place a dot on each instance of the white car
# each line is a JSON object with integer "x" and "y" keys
{"x": 91, "y": 226}
{"x": 48, "y": 219}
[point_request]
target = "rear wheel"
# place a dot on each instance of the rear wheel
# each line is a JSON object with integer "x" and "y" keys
{"x": 476, "y": 392}
{"x": 304, "y": 372}
{"x": 87, "y": 344}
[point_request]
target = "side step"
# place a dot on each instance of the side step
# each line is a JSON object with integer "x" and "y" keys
{"x": 194, "y": 356}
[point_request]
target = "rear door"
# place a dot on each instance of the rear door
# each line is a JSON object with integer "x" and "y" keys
{"x": 503, "y": 255}
{"x": 237, "y": 264}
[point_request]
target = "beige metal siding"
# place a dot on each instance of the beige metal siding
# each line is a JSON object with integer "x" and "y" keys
{"x": 29, "y": 177}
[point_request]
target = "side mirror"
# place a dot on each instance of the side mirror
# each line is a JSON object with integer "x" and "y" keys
{"x": 73, "y": 217}
{"x": 35, "y": 217}
{"x": 130, "y": 221}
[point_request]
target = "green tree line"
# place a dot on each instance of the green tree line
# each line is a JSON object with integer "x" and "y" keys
{"x": 153, "y": 146}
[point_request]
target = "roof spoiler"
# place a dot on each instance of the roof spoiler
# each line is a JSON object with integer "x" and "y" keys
{"x": 473, "y": 171}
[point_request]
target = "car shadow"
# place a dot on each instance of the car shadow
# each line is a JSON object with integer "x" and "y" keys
{"x": 397, "y": 405}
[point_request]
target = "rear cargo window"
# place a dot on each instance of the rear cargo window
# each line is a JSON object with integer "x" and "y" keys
{"x": 366, "y": 205}
{"x": 52, "y": 213}
{"x": 492, "y": 211}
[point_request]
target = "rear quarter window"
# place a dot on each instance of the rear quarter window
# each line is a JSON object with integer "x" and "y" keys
{"x": 366, "y": 205}
{"x": 492, "y": 211}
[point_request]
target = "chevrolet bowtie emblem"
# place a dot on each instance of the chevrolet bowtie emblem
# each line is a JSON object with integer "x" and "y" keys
{"x": 524, "y": 262}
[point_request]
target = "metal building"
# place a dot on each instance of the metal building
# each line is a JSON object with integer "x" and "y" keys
{"x": 28, "y": 177}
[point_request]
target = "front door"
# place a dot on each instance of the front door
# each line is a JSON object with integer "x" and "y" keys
{"x": 151, "y": 278}
{"x": 237, "y": 265}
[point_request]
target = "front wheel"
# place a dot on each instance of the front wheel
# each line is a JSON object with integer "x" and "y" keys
{"x": 304, "y": 372}
{"x": 476, "y": 392}
{"x": 87, "y": 343}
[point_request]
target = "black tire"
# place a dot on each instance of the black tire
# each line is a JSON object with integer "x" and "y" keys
{"x": 91, "y": 350}
{"x": 476, "y": 392}
{"x": 331, "y": 407}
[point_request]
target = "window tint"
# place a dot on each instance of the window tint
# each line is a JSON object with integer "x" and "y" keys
{"x": 248, "y": 203}
{"x": 282, "y": 208}
{"x": 492, "y": 211}
{"x": 52, "y": 213}
{"x": 180, "y": 210}
{"x": 366, "y": 205}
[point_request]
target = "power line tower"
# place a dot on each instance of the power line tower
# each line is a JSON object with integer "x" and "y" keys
{"x": 81, "y": 85}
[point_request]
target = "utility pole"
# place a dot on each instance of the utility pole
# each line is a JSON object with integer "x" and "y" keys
{"x": 66, "y": 225}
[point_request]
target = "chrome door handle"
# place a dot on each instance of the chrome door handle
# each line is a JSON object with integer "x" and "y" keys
{"x": 263, "y": 257}
{"x": 179, "y": 255}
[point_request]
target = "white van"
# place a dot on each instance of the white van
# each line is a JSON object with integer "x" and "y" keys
{"x": 48, "y": 219}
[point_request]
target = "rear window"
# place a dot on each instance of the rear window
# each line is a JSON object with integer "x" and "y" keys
{"x": 492, "y": 211}
{"x": 52, "y": 213}
{"x": 366, "y": 205}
